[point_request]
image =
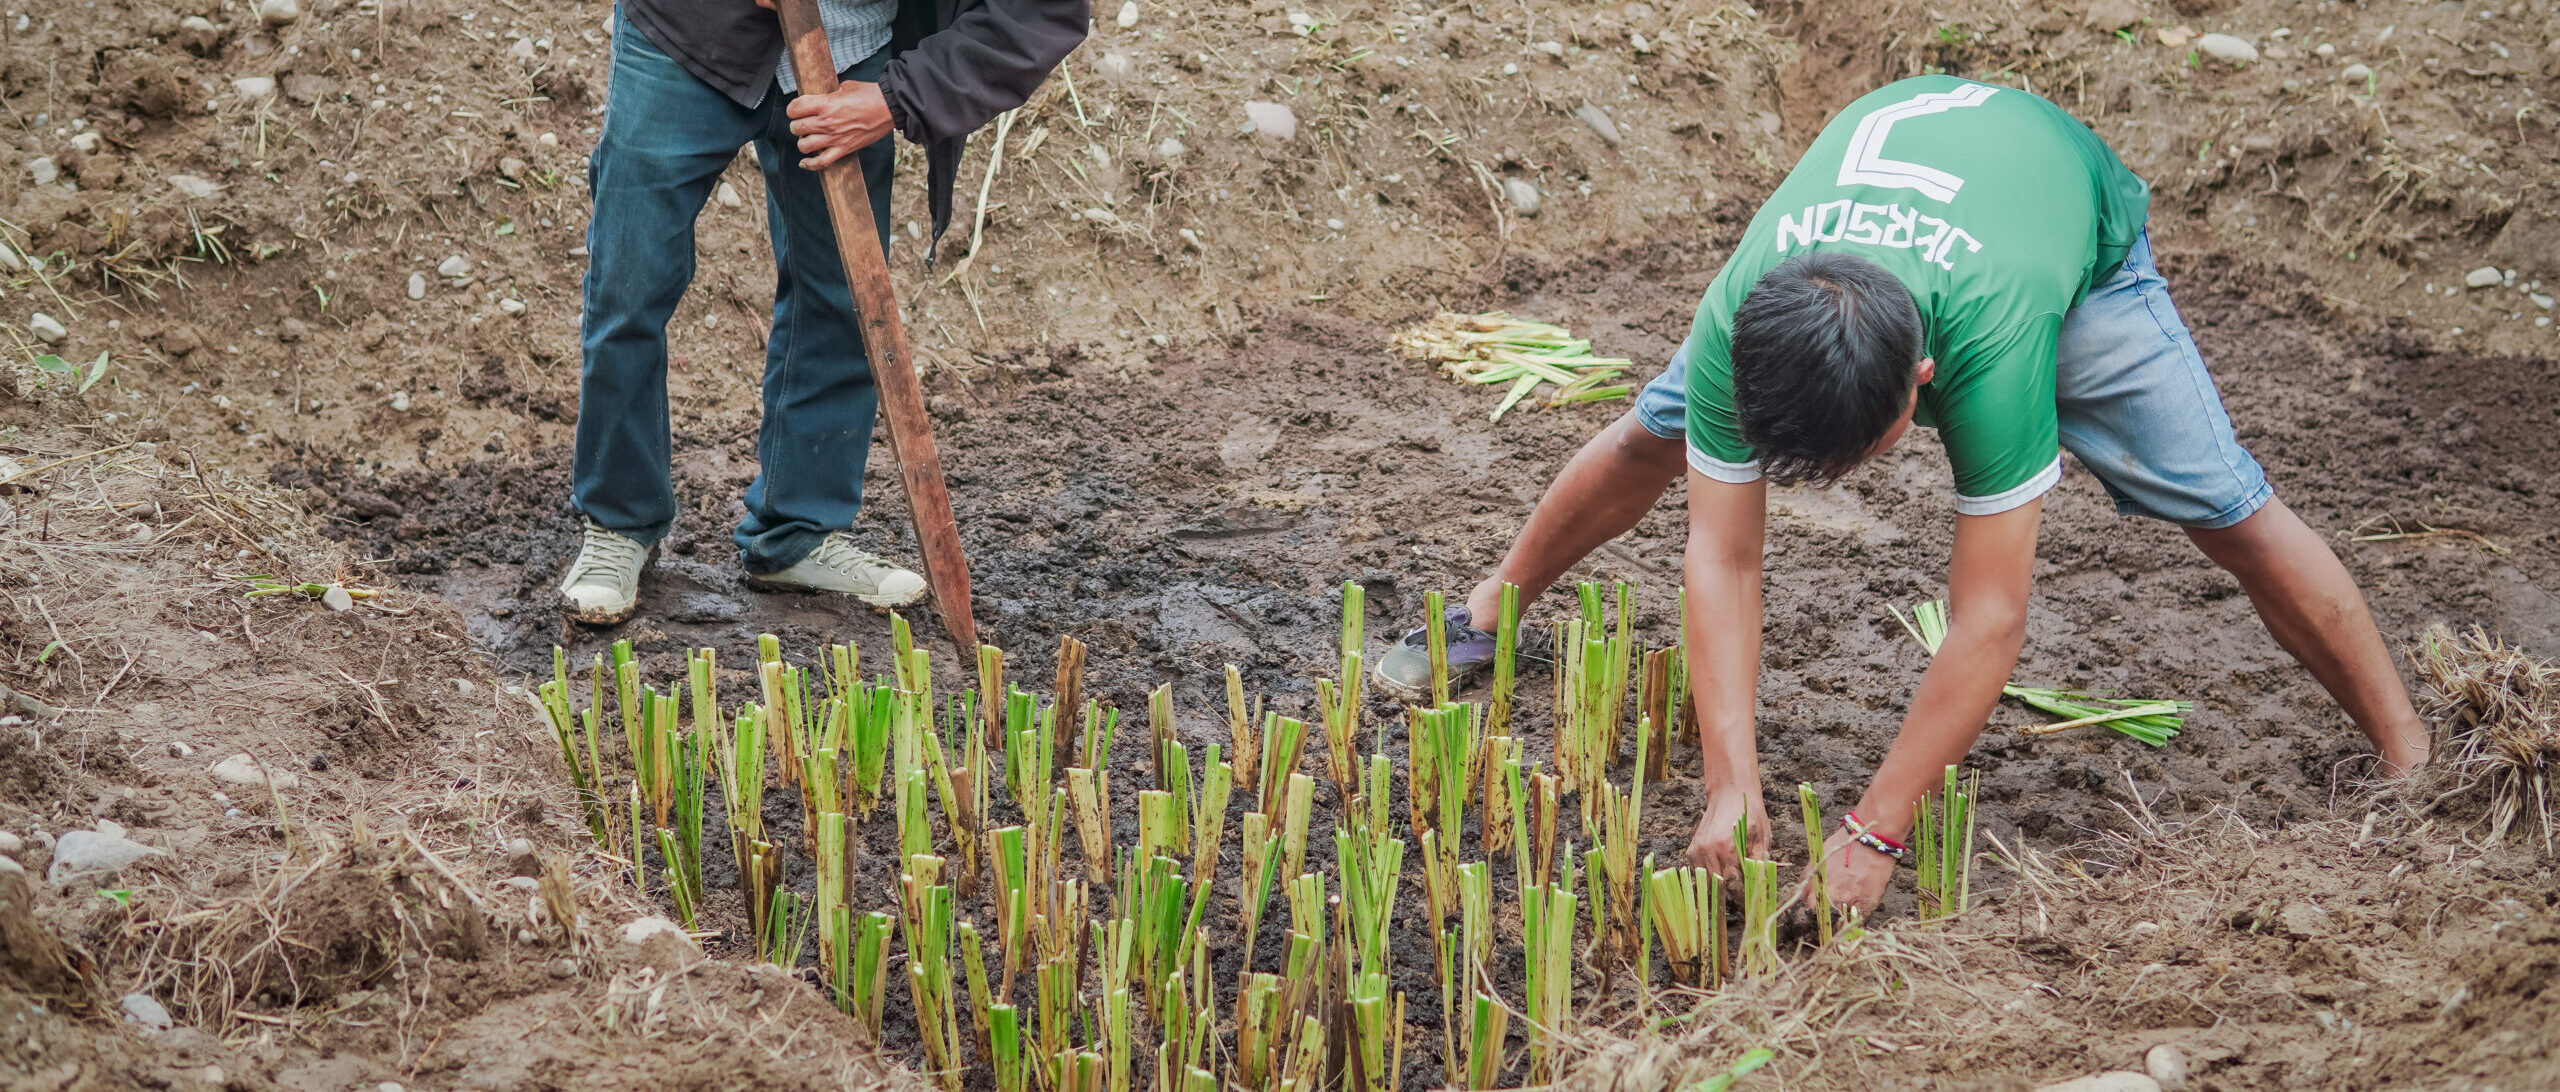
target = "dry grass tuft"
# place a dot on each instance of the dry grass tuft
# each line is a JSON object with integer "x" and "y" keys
{"x": 2497, "y": 712}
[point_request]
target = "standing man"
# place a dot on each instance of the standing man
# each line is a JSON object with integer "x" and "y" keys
{"x": 693, "y": 81}
{"x": 1971, "y": 258}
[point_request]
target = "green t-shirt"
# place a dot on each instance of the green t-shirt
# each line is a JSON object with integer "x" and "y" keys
{"x": 1997, "y": 210}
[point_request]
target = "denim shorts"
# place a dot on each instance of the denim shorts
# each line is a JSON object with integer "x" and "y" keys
{"x": 2133, "y": 399}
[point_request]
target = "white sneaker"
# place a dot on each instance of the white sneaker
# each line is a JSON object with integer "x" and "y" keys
{"x": 603, "y": 584}
{"x": 837, "y": 565}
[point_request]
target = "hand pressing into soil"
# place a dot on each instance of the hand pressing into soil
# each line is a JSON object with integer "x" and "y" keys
{"x": 1855, "y": 876}
{"x": 1711, "y": 847}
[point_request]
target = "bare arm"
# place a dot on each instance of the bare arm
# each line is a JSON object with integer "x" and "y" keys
{"x": 1987, "y": 587}
{"x": 1721, "y": 630}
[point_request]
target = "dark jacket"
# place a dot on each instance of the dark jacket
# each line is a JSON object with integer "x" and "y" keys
{"x": 954, "y": 64}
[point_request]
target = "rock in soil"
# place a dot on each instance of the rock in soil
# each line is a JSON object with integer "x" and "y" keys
{"x": 640, "y": 930}
{"x": 46, "y": 328}
{"x": 244, "y": 770}
{"x": 94, "y": 856}
{"x": 143, "y": 1009}
{"x": 2167, "y": 1065}
{"x": 2225, "y": 47}
{"x": 1272, "y": 120}
{"x": 1523, "y": 195}
{"x": 1598, "y": 120}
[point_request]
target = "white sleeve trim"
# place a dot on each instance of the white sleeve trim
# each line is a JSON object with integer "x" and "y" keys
{"x": 1720, "y": 470}
{"x": 2006, "y": 499}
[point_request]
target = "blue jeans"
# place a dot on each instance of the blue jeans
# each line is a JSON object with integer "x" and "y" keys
{"x": 667, "y": 137}
{"x": 2133, "y": 400}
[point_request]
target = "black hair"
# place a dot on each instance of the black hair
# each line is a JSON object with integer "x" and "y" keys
{"x": 1826, "y": 348}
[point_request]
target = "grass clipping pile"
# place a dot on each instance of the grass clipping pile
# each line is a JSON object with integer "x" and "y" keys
{"x": 1497, "y": 348}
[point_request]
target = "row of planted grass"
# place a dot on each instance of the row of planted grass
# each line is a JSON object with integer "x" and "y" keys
{"x": 1095, "y": 971}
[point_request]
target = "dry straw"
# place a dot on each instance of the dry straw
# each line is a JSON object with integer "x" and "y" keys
{"x": 2497, "y": 713}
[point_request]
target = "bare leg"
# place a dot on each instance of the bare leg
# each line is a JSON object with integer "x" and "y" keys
{"x": 2313, "y": 609}
{"x": 1608, "y": 485}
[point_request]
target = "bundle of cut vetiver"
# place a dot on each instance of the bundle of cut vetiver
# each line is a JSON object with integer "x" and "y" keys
{"x": 2152, "y": 720}
{"x": 1497, "y": 348}
{"x": 1048, "y": 940}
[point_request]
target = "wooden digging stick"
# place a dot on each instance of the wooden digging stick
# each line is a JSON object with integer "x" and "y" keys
{"x": 866, "y": 270}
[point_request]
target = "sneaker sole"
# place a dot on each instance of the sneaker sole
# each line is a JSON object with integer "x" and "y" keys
{"x": 1412, "y": 695}
{"x": 592, "y": 617}
{"x": 884, "y": 602}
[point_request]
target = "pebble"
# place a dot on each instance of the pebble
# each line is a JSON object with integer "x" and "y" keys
{"x": 2324, "y": 49}
{"x": 564, "y": 968}
{"x": 522, "y": 50}
{"x": 2109, "y": 16}
{"x": 1128, "y": 14}
{"x": 86, "y": 141}
{"x": 254, "y": 88}
{"x": 511, "y": 305}
{"x": 2356, "y": 73}
{"x": 1599, "y": 122}
{"x": 1334, "y": 224}
{"x": 1523, "y": 195}
{"x": 640, "y": 930}
{"x": 94, "y": 855}
{"x": 2117, "y": 1081}
{"x": 399, "y": 401}
{"x": 244, "y": 770}
{"x": 1272, "y": 120}
{"x": 521, "y": 859}
{"x": 143, "y": 1009}
{"x": 43, "y": 169}
{"x": 547, "y": 140}
{"x": 728, "y": 197}
{"x": 46, "y": 328}
{"x": 1117, "y": 67}
{"x": 1170, "y": 148}
{"x": 2539, "y": 300}
{"x": 178, "y": 748}
{"x": 2483, "y": 277}
{"x": 456, "y": 267}
{"x": 417, "y": 286}
{"x": 390, "y": 1086}
{"x": 278, "y": 13}
{"x": 197, "y": 34}
{"x": 2167, "y": 1065}
{"x": 336, "y": 598}
{"x": 193, "y": 186}
{"x": 10, "y": 844}
{"x": 2225, "y": 47}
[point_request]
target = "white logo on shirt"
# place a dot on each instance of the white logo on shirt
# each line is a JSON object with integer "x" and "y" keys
{"x": 1864, "y": 163}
